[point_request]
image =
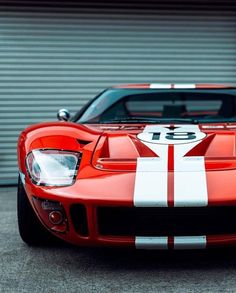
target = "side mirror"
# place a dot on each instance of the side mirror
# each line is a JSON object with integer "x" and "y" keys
{"x": 63, "y": 115}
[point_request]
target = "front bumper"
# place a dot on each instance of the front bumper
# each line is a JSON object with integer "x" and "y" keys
{"x": 117, "y": 223}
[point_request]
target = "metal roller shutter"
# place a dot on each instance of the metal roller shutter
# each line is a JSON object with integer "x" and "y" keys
{"x": 60, "y": 54}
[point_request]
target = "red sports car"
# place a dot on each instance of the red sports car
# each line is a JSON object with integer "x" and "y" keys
{"x": 151, "y": 166}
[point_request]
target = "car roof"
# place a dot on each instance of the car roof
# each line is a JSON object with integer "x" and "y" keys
{"x": 176, "y": 86}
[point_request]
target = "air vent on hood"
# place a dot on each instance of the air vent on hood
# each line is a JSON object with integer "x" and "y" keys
{"x": 83, "y": 142}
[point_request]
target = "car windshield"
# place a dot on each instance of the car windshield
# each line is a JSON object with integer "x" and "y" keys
{"x": 154, "y": 105}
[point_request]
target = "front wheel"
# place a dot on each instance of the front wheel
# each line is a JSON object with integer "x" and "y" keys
{"x": 31, "y": 230}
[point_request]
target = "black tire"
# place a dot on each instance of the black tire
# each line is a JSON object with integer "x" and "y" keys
{"x": 31, "y": 229}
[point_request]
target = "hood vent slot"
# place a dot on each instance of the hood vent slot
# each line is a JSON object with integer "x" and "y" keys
{"x": 82, "y": 142}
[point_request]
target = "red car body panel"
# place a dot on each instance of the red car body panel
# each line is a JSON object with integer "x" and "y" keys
{"x": 108, "y": 173}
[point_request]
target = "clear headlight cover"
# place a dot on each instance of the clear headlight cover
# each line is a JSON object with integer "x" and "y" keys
{"x": 53, "y": 167}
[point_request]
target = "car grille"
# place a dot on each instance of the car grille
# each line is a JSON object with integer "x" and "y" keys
{"x": 79, "y": 219}
{"x": 136, "y": 221}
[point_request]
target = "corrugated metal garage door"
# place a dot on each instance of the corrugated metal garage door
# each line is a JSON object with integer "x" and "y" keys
{"x": 56, "y": 55}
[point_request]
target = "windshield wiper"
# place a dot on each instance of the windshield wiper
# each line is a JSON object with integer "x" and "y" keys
{"x": 150, "y": 120}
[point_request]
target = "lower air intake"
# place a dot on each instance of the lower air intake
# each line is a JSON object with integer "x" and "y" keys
{"x": 120, "y": 221}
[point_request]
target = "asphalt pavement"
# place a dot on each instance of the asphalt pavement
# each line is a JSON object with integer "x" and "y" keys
{"x": 66, "y": 268}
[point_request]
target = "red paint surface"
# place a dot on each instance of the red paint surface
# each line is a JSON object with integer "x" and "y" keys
{"x": 170, "y": 176}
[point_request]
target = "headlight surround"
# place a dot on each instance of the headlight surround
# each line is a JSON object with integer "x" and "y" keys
{"x": 49, "y": 167}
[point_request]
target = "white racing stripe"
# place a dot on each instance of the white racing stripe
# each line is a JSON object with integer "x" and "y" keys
{"x": 190, "y": 242}
{"x": 151, "y": 176}
{"x": 190, "y": 185}
{"x": 180, "y": 242}
{"x": 184, "y": 86}
{"x": 175, "y": 86}
{"x": 151, "y": 243}
{"x": 190, "y": 188}
{"x": 160, "y": 86}
{"x": 151, "y": 182}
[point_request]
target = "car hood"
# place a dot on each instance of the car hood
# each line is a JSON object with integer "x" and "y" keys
{"x": 172, "y": 147}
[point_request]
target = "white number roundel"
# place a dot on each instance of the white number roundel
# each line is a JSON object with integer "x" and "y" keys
{"x": 181, "y": 134}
